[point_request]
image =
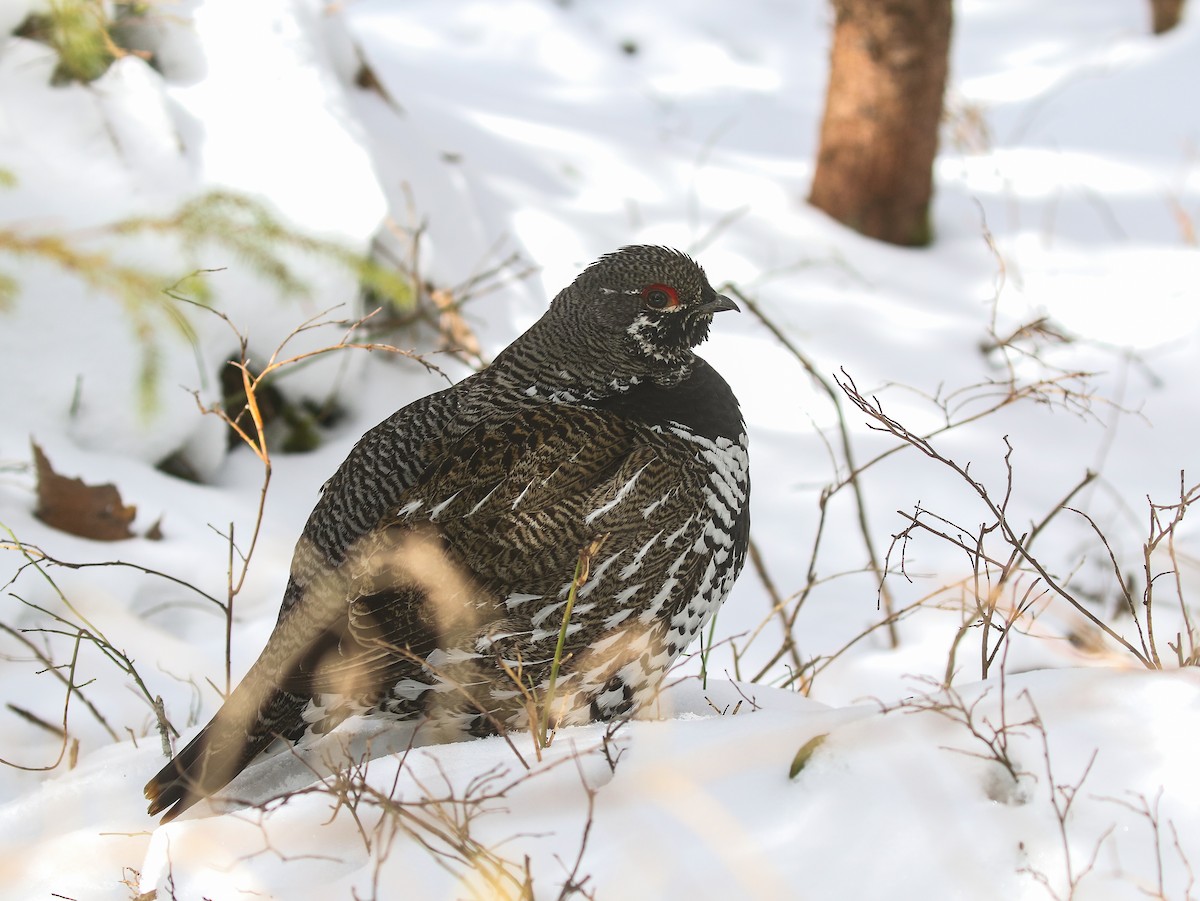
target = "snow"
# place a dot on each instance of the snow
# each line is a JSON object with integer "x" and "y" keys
{"x": 559, "y": 131}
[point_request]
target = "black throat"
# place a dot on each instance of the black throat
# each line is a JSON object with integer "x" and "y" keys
{"x": 702, "y": 401}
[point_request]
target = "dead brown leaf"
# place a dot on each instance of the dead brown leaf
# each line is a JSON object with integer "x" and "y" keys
{"x": 89, "y": 511}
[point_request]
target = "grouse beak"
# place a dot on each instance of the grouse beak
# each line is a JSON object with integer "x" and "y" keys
{"x": 718, "y": 304}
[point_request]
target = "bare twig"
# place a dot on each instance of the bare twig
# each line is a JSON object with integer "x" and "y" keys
{"x": 63, "y": 734}
{"x": 847, "y": 449}
{"x": 883, "y": 422}
{"x": 53, "y": 668}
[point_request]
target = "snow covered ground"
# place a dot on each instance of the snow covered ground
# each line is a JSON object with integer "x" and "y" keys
{"x": 1068, "y": 187}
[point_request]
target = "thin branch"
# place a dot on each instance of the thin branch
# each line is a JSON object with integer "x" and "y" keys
{"x": 847, "y": 453}
{"x": 883, "y": 422}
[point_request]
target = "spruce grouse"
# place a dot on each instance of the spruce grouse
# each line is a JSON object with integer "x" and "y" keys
{"x": 433, "y": 574}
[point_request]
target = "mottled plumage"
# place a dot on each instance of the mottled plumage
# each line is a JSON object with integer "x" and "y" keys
{"x": 437, "y": 564}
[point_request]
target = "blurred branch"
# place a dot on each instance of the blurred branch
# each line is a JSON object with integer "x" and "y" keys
{"x": 848, "y": 456}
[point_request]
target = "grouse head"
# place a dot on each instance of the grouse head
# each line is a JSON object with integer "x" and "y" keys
{"x": 634, "y": 315}
{"x": 656, "y": 300}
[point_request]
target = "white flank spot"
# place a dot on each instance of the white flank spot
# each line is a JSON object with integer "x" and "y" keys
{"x": 617, "y": 618}
{"x": 621, "y": 495}
{"x": 518, "y": 598}
{"x": 625, "y": 594}
{"x": 717, "y": 507}
{"x": 636, "y": 563}
{"x": 436, "y": 511}
{"x": 674, "y": 536}
{"x": 542, "y": 615}
{"x": 657, "y": 602}
{"x": 650, "y": 508}
{"x": 440, "y": 657}
{"x": 409, "y": 689}
{"x": 597, "y": 572}
{"x": 673, "y": 570}
{"x": 600, "y": 646}
{"x": 482, "y": 501}
{"x": 522, "y": 494}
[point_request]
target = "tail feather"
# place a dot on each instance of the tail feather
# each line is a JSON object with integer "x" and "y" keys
{"x": 222, "y": 749}
{"x": 195, "y": 773}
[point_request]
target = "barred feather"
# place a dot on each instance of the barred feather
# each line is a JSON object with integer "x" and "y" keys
{"x": 436, "y": 566}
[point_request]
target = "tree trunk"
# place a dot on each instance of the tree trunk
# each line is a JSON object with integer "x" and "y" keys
{"x": 1165, "y": 14}
{"x": 879, "y": 135}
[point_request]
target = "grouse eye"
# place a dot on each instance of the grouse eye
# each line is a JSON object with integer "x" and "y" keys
{"x": 660, "y": 296}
